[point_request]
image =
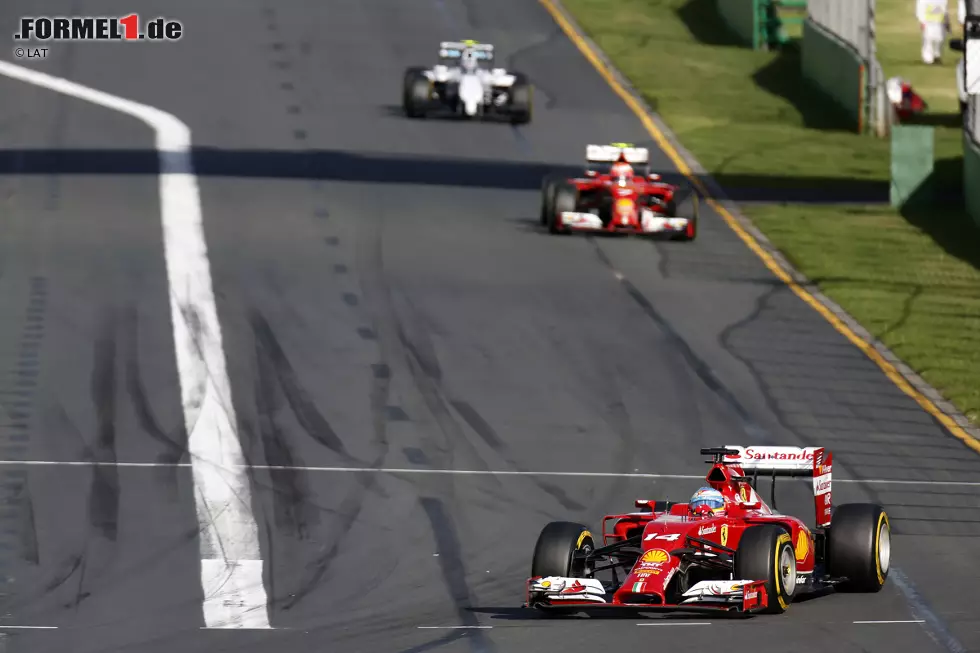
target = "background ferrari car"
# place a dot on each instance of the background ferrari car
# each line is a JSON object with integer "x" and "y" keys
{"x": 598, "y": 202}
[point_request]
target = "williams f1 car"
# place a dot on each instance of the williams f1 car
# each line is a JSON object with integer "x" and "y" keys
{"x": 743, "y": 557}
{"x": 618, "y": 193}
{"x": 465, "y": 83}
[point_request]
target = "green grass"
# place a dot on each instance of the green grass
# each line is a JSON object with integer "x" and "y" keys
{"x": 916, "y": 288}
{"x": 911, "y": 279}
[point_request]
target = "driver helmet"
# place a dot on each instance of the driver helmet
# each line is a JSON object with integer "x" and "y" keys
{"x": 707, "y": 502}
{"x": 621, "y": 173}
{"x": 469, "y": 59}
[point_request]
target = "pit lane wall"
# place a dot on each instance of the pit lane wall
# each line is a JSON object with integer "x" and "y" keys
{"x": 742, "y": 18}
{"x": 837, "y": 70}
{"x": 971, "y": 159}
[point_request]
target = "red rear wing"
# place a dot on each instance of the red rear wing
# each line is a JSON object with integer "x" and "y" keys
{"x": 797, "y": 462}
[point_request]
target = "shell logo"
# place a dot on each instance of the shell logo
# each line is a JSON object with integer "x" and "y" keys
{"x": 624, "y": 206}
{"x": 655, "y": 555}
{"x": 802, "y": 546}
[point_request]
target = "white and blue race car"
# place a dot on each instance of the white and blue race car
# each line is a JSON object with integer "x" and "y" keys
{"x": 466, "y": 83}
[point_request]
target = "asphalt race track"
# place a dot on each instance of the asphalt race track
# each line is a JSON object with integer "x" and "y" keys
{"x": 388, "y": 301}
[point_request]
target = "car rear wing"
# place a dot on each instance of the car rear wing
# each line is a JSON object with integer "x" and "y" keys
{"x": 601, "y": 157}
{"x": 454, "y": 49}
{"x": 812, "y": 462}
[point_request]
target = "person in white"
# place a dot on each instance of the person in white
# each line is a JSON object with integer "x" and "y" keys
{"x": 934, "y": 18}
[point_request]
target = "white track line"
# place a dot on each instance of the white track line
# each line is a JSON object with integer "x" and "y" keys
{"x": 906, "y": 621}
{"x": 5, "y": 627}
{"x": 678, "y": 623}
{"x": 231, "y": 564}
{"x": 459, "y": 472}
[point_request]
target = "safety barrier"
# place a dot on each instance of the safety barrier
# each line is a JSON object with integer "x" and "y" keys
{"x": 742, "y": 18}
{"x": 849, "y": 25}
{"x": 852, "y": 21}
{"x": 761, "y": 24}
{"x": 971, "y": 159}
{"x": 837, "y": 70}
{"x": 971, "y": 143}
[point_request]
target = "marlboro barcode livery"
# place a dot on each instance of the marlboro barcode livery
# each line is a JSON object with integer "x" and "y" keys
{"x": 725, "y": 550}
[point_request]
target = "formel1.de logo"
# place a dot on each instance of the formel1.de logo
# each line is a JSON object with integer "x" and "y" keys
{"x": 102, "y": 28}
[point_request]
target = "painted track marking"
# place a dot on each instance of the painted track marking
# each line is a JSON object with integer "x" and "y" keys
{"x": 6, "y": 627}
{"x": 459, "y": 472}
{"x": 231, "y": 563}
{"x": 867, "y": 348}
{"x": 678, "y": 623}
{"x": 905, "y": 621}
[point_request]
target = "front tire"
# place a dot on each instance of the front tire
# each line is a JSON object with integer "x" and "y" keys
{"x": 554, "y": 553}
{"x": 859, "y": 547}
{"x": 521, "y": 100}
{"x": 690, "y": 232}
{"x": 766, "y": 553}
{"x": 566, "y": 199}
{"x": 548, "y": 187}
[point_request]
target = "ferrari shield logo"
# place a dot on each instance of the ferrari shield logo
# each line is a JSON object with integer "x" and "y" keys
{"x": 744, "y": 492}
{"x": 724, "y": 535}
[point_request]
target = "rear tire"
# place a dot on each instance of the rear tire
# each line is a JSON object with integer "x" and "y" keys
{"x": 416, "y": 92}
{"x": 553, "y": 553}
{"x": 766, "y": 553}
{"x": 566, "y": 199}
{"x": 859, "y": 547}
{"x": 521, "y": 100}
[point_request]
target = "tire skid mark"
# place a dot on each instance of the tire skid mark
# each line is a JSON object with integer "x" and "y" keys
{"x": 453, "y": 570}
{"x": 104, "y": 497}
{"x": 291, "y": 494}
{"x": 16, "y": 413}
{"x": 305, "y": 410}
{"x": 352, "y": 504}
{"x": 695, "y": 362}
{"x": 175, "y": 444}
{"x": 482, "y": 428}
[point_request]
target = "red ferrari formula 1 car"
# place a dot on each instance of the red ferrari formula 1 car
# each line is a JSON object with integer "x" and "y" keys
{"x": 618, "y": 194}
{"x": 732, "y": 554}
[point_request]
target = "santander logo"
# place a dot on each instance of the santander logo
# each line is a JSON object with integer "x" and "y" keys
{"x": 753, "y": 453}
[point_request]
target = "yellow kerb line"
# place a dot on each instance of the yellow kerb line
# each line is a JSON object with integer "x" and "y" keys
{"x": 890, "y": 371}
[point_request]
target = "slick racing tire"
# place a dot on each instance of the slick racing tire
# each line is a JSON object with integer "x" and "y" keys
{"x": 766, "y": 553}
{"x": 415, "y": 93}
{"x": 859, "y": 547}
{"x": 521, "y": 103}
{"x": 557, "y": 544}
{"x": 566, "y": 199}
{"x": 548, "y": 187}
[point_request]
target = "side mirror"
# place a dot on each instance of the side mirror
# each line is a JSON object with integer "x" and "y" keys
{"x": 957, "y": 45}
{"x": 653, "y": 176}
{"x": 643, "y": 503}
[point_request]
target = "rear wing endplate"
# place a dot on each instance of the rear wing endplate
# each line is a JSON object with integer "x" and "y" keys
{"x": 813, "y": 462}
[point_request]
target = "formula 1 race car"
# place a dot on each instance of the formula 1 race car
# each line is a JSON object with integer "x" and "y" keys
{"x": 740, "y": 557}
{"x": 615, "y": 197}
{"x": 465, "y": 83}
